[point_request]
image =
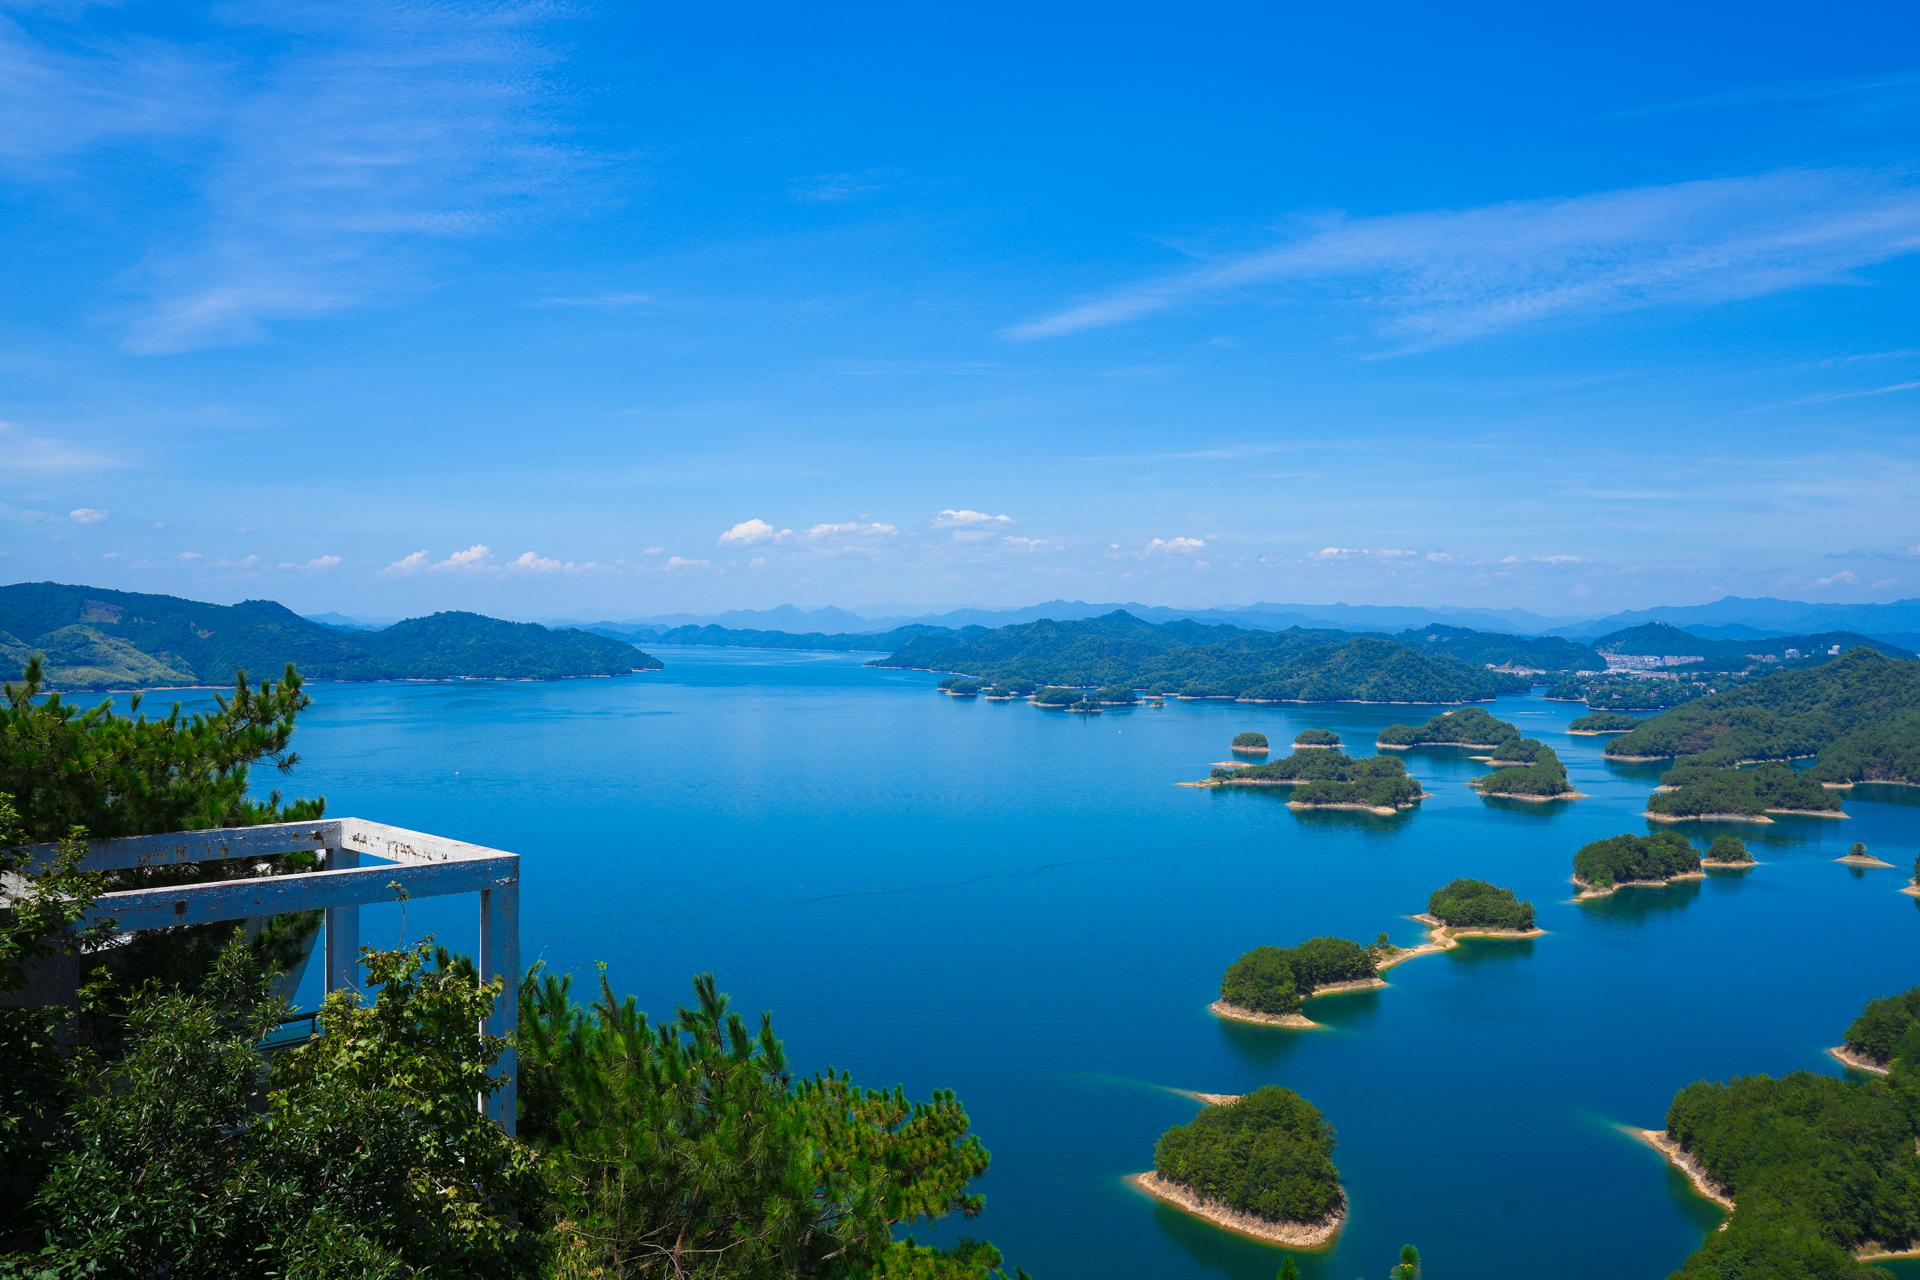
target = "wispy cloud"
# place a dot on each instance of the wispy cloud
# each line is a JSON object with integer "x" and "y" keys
{"x": 1450, "y": 276}
{"x": 477, "y": 558}
{"x": 87, "y": 515}
{"x": 326, "y": 157}
{"x": 1829, "y": 397}
{"x": 27, "y": 452}
{"x": 967, "y": 518}
{"x": 611, "y": 301}
{"x": 838, "y": 188}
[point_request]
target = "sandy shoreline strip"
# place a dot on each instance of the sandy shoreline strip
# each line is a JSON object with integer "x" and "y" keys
{"x": 1211, "y": 1099}
{"x": 1863, "y": 860}
{"x": 1240, "y": 1013}
{"x": 1681, "y": 1159}
{"x": 1858, "y": 1061}
{"x": 1294, "y": 1235}
{"x": 1588, "y": 891}
{"x": 1515, "y": 795}
{"x": 1912, "y": 890}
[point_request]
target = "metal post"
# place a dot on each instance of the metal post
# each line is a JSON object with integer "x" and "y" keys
{"x": 500, "y": 958}
{"x": 343, "y": 932}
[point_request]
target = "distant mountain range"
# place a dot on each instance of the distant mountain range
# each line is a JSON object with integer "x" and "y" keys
{"x": 1731, "y": 618}
{"x": 97, "y": 639}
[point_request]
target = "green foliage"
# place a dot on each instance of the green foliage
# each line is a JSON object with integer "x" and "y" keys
{"x": 1886, "y": 1029}
{"x": 1660, "y": 856}
{"x": 1465, "y": 727}
{"x": 128, "y": 775}
{"x": 1277, "y": 979}
{"x": 1115, "y": 696}
{"x": 1630, "y": 693}
{"x": 1836, "y": 1154}
{"x": 1789, "y": 714}
{"x": 1316, "y": 738}
{"x": 1325, "y": 777}
{"x": 1603, "y": 722}
{"x": 1884, "y": 750}
{"x": 1728, "y": 849}
{"x": 1269, "y": 1154}
{"x": 1250, "y": 739}
{"x": 688, "y": 1149}
{"x": 1768, "y": 1242}
{"x": 98, "y": 639}
{"x": 1477, "y": 904}
{"x": 961, "y": 686}
{"x": 1494, "y": 649}
{"x": 366, "y": 1145}
{"x": 1545, "y": 776}
{"x": 1056, "y": 696}
{"x": 1702, "y": 789}
{"x": 1120, "y": 650}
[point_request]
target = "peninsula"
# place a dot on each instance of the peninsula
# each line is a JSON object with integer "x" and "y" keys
{"x": 1599, "y": 723}
{"x": 1693, "y": 791}
{"x": 1268, "y": 985}
{"x": 1261, "y": 1165}
{"x": 1467, "y": 727}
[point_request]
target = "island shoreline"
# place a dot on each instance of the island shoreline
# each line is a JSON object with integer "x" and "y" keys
{"x": 1309, "y": 1236}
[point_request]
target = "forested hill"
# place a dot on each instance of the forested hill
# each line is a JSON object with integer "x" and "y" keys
{"x": 1660, "y": 640}
{"x": 97, "y": 639}
{"x": 1198, "y": 660}
{"x": 1860, "y": 713}
{"x": 1496, "y": 649}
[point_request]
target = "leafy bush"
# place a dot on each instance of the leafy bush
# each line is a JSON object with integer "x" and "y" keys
{"x": 1270, "y": 1154}
{"x": 1477, "y": 904}
{"x": 1660, "y": 856}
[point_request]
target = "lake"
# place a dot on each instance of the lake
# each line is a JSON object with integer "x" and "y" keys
{"x": 1020, "y": 906}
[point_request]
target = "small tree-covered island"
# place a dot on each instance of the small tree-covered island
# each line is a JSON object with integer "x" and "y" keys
{"x": 1619, "y": 862}
{"x": 1597, "y": 723}
{"x": 1261, "y": 1165}
{"x": 1316, "y": 739}
{"x": 1728, "y": 852}
{"x": 1269, "y": 984}
{"x": 1691, "y": 791}
{"x": 1466, "y": 727}
{"x": 1250, "y": 743}
{"x": 1324, "y": 779}
{"x": 1469, "y": 907}
{"x": 1819, "y": 1173}
{"x": 1529, "y": 770}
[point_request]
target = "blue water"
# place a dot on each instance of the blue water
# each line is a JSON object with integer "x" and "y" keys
{"x": 1019, "y": 905}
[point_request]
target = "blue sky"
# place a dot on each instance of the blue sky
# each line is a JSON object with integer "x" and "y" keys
{"x": 613, "y": 310}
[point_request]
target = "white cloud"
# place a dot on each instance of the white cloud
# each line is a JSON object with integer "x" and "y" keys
{"x": 190, "y": 556}
{"x": 1549, "y": 560}
{"x": 319, "y": 564}
{"x": 653, "y": 551}
{"x": 87, "y": 515}
{"x": 1019, "y": 543}
{"x": 533, "y": 562}
{"x": 747, "y": 532}
{"x": 1834, "y": 580}
{"x": 1365, "y": 553}
{"x": 1176, "y": 546}
{"x": 965, "y": 518}
{"x": 853, "y": 529}
{"x": 1453, "y": 275}
{"x": 473, "y": 559}
{"x": 680, "y": 564}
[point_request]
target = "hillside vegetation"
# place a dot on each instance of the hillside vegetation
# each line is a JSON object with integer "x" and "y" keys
{"x": 98, "y": 639}
{"x": 1197, "y": 660}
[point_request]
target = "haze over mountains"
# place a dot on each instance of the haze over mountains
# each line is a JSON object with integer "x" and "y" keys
{"x": 1732, "y": 618}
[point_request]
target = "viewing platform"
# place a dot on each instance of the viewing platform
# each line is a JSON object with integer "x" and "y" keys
{"x": 362, "y": 863}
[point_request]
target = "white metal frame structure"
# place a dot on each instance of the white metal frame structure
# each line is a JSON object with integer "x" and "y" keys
{"x": 422, "y": 865}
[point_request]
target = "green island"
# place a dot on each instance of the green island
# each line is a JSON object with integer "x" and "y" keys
{"x": 1005, "y": 691}
{"x": 1692, "y": 791}
{"x": 1819, "y": 1173}
{"x": 1617, "y": 862}
{"x": 1269, "y": 984}
{"x": 1861, "y": 706}
{"x": 1058, "y": 698}
{"x": 1324, "y": 779}
{"x": 1199, "y": 660}
{"x": 1260, "y": 1165}
{"x": 1727, "y": 852}
{"x": 1477, "y": 905}
{"x": 1116, "y": 696}
{"x": 960, "y": 687}
{"x": 1627, "y": 692}
{"x": 1466, "y": 727}
{"x": 93, "y": 638}
{"x": 1858, "y": 855}
{"x": 1535, "y": 774}
{"x": 1317, "y": 738}
{"x": 1595, "y": 723}
{"x": 1250, "y": 743}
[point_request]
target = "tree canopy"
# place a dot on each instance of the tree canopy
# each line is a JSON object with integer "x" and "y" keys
{"x": 1661, "y": 856}
{"x": 1269, "y": 1154}
{"x": 1477, "y": 904}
